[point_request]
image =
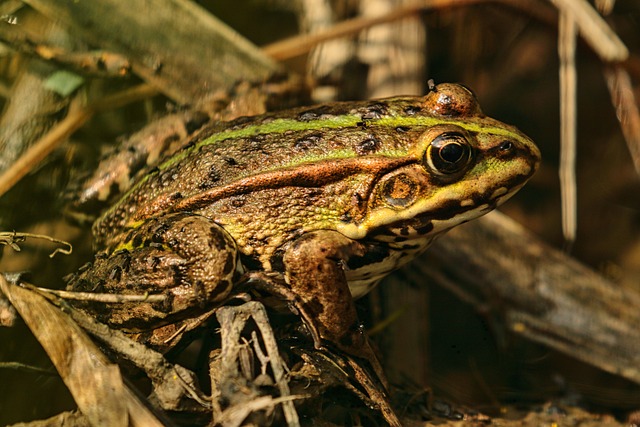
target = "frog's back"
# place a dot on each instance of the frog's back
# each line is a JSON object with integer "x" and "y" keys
{"x": 408, "y": 168}
{"x": 268, "y": 158}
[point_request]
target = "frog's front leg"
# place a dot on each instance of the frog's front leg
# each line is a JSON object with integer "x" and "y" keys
{"x": 315, "y": 270}
{"x": 187, "y": 258}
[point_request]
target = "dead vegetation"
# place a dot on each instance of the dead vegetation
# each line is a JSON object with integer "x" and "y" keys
{"x": 530, "y": 326}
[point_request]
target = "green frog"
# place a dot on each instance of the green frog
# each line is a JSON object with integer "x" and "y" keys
{"x": 323, "y": 201}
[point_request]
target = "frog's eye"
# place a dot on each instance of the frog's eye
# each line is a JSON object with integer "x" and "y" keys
{"x": 450, "y": 153}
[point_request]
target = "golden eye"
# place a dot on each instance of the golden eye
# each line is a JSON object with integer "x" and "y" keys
{"x": 450, "y": 153}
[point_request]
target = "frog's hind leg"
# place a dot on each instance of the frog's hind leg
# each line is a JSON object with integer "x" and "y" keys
{"x": 187, "y": 258}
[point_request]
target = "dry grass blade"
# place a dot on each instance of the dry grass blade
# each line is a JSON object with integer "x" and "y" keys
{"x": 567, "y": 35}
{"x": 12, "y": 239}
{"x": 302, "y": 44}
{"x": 235, "y": 415}
{"x": 95, "y": 384}
{"x": 232, "y": 322}
{"x": 624, "y": 100}
{"x": 603, "y": 40}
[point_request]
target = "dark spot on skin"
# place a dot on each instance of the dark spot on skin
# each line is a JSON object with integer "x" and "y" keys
{"x": 374, "y": 111}
{"x": 257, "y": 140}
{"x": 173, "y": 243}
{"x": 177, "y": 275}
{"x": 308, "y": 141}
{"x": 424, "y": 229}
{"x": 216, "y": 240}
{"x": 155, "y": 262}
{"x": 313, "y": 306}
{"x": 213, "y": 176}
{"x": 315, "y": 113}
{"x": 238, "y": 202}
{"x": 410, "y": 247}
{"x": 383, "y": 232}
{"x": 399, "y": 239}
{"x": 411, "y": 110}
{"x": 229, "y": 266}
{"x": 158, "y": 234}
{"x": 137, "y": 241}
{"x": 374, "y": 254}
{"x": 367, "y": 146}
{"x": 255, "y": 144}
{"x": 230, "y": 160}
{"x": 240, "y": 121}
{"x": 219, "y": 289}
{"x": 404, "y": 231}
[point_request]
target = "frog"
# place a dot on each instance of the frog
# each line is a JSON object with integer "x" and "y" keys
{"x": 316, "y": 203}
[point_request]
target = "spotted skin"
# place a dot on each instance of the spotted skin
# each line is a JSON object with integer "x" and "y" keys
{"x": 325, "y": 200}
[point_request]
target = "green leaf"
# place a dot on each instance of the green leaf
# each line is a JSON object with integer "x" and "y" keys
{"x": 63, "y": 82}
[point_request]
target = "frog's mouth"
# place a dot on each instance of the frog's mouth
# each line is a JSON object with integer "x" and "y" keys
{"x": 449, "y": 214}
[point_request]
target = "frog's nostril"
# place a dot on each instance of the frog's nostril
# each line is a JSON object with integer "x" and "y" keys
{"x": 506, "y": 145}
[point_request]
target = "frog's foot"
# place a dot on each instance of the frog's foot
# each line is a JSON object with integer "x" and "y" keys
{"x": 314, "y": 271}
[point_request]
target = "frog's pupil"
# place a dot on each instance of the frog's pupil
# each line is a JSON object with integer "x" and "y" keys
{"x": 452, "y": 153}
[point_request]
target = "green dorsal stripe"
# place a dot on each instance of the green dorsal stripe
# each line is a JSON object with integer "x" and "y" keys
{"x": 278, "y": 126}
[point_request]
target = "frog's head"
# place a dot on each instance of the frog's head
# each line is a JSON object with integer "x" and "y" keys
{"x": 463, "y": 165}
